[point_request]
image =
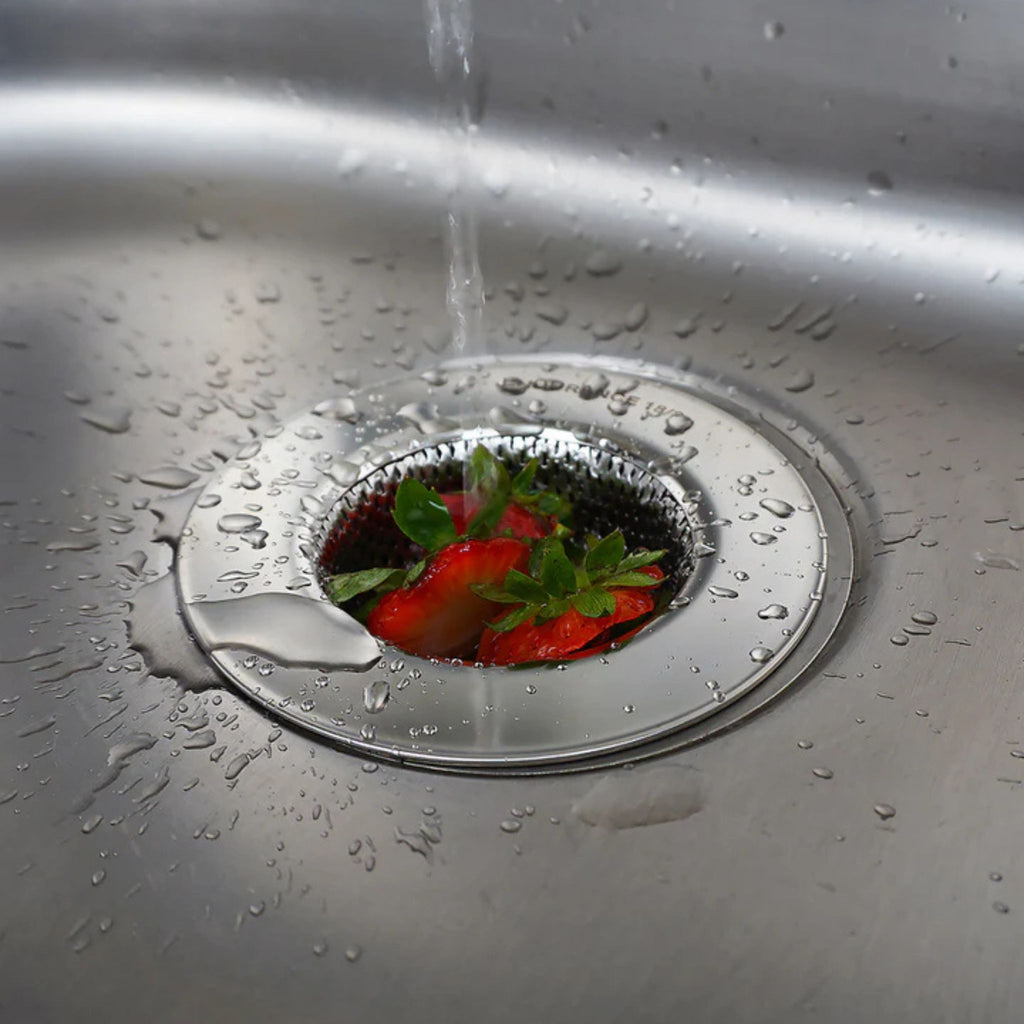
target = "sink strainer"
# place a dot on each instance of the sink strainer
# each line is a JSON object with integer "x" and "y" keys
{"x": 608, "y": 491}
{"x": 757, "y": 589}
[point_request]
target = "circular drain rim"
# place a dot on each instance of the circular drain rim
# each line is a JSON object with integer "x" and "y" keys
{"x": 598, "y": 730}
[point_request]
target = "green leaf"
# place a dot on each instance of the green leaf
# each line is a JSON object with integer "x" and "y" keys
{"x": 342, "y": 587}
{"x": 489, "y": 592}
{"x": 486, "y": 473}
{"x": 421, "y": 515}
{"x": 488, "y": 515}
{"x": 551, "y": 504}
{"x": 556, "y": 571}
{"x": 414, "y": 573}
{"x": 524, "y": 479}
{"x": 513, "y": 619}
{"x": 525, "y": 588}
{"x": 630, "y": 579}
{"x": 594, "y": 603}
{"x": 606, "y": 552}
{"x": 638, "y": 559}
{"x": 552, "y": 610}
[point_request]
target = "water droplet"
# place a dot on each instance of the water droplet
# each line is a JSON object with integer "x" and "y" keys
{"x": 111, "y": 420}
{"x": 823, "y": 773}
{"x": 352, "y": 161}
{"x": 805, "y": 744}
{"x": 802, "y": 380}
{"x": 761, "y": 655}
{"x": 899, "y": 640}
{"x": 994, "y": 560}
{"x": 513, "y": 385}
{"x": 353, "y": 953}
{"x": 511, "y": 825}
{"x": 925, "y": 618}
{"x": 238, "y": 522}
{"x": 879, "y": 183}
{"x": 340, "y": 409}
{"x": 725, "y": 592}
{"x": 677, "y": 423}
{"x": 884, "y": 811}
{"x": 593, "y": 387}
{"x": 376, "y": 696}
{"x": 763, "y": 538}
{"x": 635, "y": 317}
{"x": 320, "y": 947}
{"x": 774, "y": 30}
{"x": 777, "y": 507}
{"x": 773, "y": 611}
{"x": 208, "y": 229}
{"x": 174, "y": 478}
{"x": 601, "y": 263}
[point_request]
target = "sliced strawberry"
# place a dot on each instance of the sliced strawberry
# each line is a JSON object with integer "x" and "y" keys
{"x": 519, "y": 521}
{"x": 570, "y": 635}
{"x": 439, "y": 616}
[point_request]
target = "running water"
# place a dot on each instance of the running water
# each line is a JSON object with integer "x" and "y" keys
{"x": 450, "y": 46}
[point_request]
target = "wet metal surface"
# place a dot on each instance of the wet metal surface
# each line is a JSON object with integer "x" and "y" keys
{"x": 214, "y": 217}
{"x": 759, "y": 573}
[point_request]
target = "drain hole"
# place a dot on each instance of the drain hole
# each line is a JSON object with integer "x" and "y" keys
{"x": 608, "y": 491}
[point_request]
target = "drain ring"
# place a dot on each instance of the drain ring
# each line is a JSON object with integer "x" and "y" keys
{"x": 759, "y": 524}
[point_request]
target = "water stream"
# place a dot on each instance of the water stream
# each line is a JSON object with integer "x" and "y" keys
{"x": 450, "y": 48}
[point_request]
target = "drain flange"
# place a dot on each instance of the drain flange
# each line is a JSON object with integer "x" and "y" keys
{"x": 751, "y": 565}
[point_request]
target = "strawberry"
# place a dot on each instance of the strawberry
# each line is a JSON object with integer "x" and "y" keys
{"x": 438, "y": 616}
{"x": 518, "y": 521}
{"x": 571, "y": 634}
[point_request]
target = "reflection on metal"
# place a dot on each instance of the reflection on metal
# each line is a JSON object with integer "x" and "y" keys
{"x": 760, "y": 534}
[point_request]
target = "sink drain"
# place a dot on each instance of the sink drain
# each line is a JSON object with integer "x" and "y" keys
{"x": 760, "y": 563}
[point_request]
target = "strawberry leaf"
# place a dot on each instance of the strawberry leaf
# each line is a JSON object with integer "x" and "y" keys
{"x": 551, "y": 504}
{"x": 486, "y": 473}
{"x": 488, "y": 515}
{"x": 422, "y": 516}
{"x": 342, "y": 587}
{"x": 639, "y": 559}
{"x": 607, "y": 552}
{"x": 489, "y": 592}
{"x": 630, "y": 579}
{"x": 524, "y": 588}
{"x": 594, "y": 603}
{"x": 523, "y": 480}
{"x": 552, "y": 610}
{"x": 414, "y": 573}
{"x": 556, "y": 571}
{"x": 513, "y": 619}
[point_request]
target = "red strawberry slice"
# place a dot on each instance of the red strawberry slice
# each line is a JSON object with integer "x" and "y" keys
{"x": 439, "y": 616}
{"x": 570, "y": 635}
{"x": 520, "y": 521}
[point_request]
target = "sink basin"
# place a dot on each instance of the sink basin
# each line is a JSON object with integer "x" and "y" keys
{"x": 215, "y": 216}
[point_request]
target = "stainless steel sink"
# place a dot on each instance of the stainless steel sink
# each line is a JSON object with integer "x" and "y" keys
{"x": 216, "y": 215}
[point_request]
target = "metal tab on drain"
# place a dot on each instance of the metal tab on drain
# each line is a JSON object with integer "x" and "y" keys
{"x": 759, "y": 566}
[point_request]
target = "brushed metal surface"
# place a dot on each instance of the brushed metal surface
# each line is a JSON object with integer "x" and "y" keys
{"x": 212, "y": 212}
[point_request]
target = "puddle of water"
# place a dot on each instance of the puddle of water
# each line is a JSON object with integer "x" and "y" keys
{"x": 290, "y": 630}
{"x": 641, "y": 797}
